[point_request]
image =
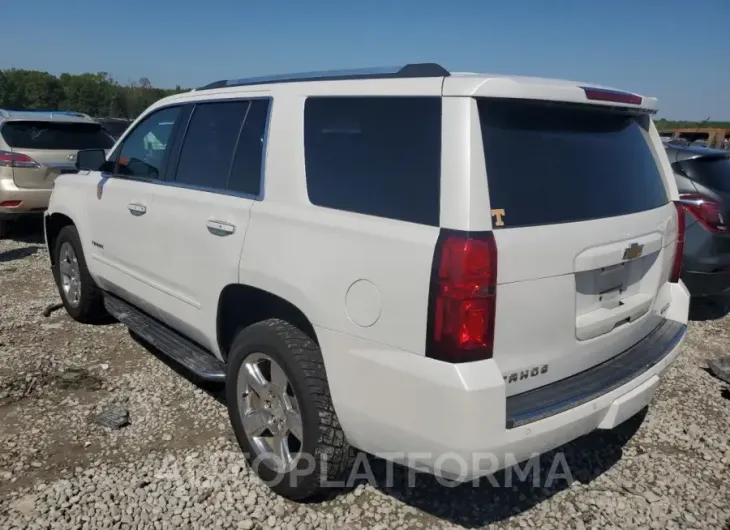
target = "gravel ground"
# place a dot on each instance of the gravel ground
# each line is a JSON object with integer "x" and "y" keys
{"x": 176, "y": 464}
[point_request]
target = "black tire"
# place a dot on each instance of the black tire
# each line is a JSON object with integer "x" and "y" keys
{"x": 3, "y": 228}
{"x": 301, "y": 359}
{"x": 90, "y": 308}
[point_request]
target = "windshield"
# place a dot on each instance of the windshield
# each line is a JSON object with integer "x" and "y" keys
{"x": 555, "y": 163}
{"x": 55, "y": 135}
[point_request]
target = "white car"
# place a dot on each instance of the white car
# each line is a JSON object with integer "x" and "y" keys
{"x": 429, "y": 266}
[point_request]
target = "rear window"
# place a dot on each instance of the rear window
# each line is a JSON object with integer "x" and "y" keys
{"x": 50, "y": 135}
{"x": 115, "y": 128}
{"x": 553, "y": 163}
{"x": 712, "y": 172}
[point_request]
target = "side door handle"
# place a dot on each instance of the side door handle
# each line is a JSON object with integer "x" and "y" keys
{"x": 137, "y": 209}
{"x": 219, "y": 228}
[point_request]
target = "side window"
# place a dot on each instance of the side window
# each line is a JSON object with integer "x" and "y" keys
{"x": 378, "y": 156}
{"x": 248, "y": 160}
{"x": 143, "y": 152}
{"x": 207, "y": 150}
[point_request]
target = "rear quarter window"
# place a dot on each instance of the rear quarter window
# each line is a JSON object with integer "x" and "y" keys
{"x": 551, "y": 163}
{"x": 378, "y": 156}
{"x": 55, "y": 135}
{"x": 713, "y": 172}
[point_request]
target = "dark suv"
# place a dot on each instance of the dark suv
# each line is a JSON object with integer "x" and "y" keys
{"x": 703, "y": 181}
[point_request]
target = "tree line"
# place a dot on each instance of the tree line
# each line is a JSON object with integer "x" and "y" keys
{"x": 95, "y": 94}
{"x": 673, "y": 124}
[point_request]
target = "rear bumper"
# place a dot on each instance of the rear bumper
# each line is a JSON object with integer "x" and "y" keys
{"x": 707, "y": 283}
{"x": 453, "y": 420}
{"x": 33, "y": 201}
{"x": 593, "y": 383}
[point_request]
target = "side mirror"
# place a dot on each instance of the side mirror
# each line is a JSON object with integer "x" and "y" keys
{"x": 90, "y": 160}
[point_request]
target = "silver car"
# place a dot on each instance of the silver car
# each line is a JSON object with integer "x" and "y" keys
{"x": 36, "y": 147}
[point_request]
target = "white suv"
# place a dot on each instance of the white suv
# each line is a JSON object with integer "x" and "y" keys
{"x": 427, "y": 266}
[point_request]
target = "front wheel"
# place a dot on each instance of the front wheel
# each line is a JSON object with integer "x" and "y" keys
{"x": 281, "y": 410}
{"x": 80, "y": 295}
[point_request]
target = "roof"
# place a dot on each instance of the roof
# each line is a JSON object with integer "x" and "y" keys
{"x": 45, "y": 115}
{"x": 420, "y": 79}
{"x": 678, "y": 153}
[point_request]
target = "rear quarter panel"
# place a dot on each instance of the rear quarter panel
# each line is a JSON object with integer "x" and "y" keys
{"x": 364, "y": 277}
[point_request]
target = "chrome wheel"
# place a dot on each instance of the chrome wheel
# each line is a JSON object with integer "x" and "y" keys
{"x": 269, "y": 411}
{"x": 68, "y": 266}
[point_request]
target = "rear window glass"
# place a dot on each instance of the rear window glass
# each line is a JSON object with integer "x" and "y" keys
{"x": 50, "y": 135}
{"x": 116, "y": 129}
{"x": 712, "y": 172}
{"x": 378, "y": 156}
{"x": 553, "y": 163}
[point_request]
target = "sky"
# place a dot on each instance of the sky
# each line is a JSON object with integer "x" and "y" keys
{"x": 677, "y": 51}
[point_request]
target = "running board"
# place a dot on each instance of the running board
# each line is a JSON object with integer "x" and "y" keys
{"x": 172, "y": 344}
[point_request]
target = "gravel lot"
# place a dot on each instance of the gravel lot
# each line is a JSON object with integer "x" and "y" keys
{"x": 176, "y": 464}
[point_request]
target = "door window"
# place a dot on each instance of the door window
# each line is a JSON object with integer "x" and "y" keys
{"x": 210, "y": 141}
{"x": 143, "y": 153}
{"x": 248, "y": 161}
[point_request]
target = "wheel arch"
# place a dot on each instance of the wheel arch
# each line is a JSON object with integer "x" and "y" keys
{"x": 240, "y": 305}
{"x": 53, "y": 224}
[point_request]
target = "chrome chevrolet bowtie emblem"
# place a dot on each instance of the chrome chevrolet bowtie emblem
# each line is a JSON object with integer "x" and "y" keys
{"x": 71, "y": 157}
{"x": 633, "y": 251}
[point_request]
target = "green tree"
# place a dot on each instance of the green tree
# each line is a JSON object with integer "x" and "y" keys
{"x": 30, "y": 89}
{"x": 96, "y": 94}
{"x": 675, "y": 124}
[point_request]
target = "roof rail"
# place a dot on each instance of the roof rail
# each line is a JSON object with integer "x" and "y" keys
{"x": 66, "y": 113}
{"x": 394, "y": 72}
{"x": 8, "y": 113}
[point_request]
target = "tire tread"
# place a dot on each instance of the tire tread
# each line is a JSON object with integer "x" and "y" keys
{"x": 331, "y": 440}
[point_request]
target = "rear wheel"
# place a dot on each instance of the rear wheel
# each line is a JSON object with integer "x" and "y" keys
{"x": 80, "y": 295}
{"x": 281, "y": 410}
{"x": 3, "y": 228}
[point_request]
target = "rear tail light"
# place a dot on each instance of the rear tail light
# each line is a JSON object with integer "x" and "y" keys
{"x": 679, "y": 249}
{"x": 10, "y": 204}
{"x": 602, "y": 94}
{"x": 19, "y": 160}
{"x": 463, "y": 296}
{"x": 706, "y": 210}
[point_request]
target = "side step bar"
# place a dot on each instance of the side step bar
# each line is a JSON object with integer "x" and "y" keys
{"x": 175, "y": 346}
